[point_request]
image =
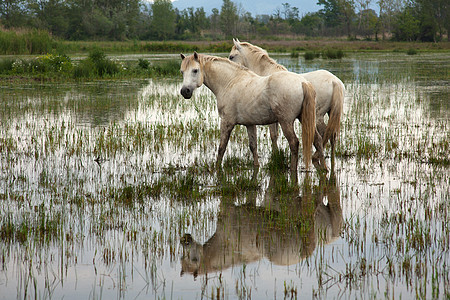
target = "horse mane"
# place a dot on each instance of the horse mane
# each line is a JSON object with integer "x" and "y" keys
{"x": 261, "y": 55}
{"x": 204, "y": 58}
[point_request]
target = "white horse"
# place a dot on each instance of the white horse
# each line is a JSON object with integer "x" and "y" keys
{"x": 329, "y": 91}
{"x": 246, "y": 98}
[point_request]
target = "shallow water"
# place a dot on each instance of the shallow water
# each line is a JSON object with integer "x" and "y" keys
{"x": 109, "y": 190}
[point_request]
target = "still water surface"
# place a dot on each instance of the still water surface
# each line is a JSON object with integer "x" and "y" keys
{"x": 108, "y": 190}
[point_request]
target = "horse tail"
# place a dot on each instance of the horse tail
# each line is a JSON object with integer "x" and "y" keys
{"x": 334, "y": 121}
{"x": 308, "y": 120}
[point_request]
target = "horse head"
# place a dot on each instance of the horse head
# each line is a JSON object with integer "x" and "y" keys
{"x": 191, "y": 69}
{"x": 192, "y": 255}
{"x": 238, "y": 54}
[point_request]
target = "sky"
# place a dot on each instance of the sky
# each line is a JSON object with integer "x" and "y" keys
{"x": 255, "y": 7}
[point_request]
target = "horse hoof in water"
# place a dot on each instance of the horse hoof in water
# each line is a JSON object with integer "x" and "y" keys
{"x": 319, "y": 164}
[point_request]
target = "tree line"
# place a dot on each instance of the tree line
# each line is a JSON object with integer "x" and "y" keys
{"x": 400, "y": 20}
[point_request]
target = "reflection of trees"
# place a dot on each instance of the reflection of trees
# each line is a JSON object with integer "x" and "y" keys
{"x": 285, "y": 229}
{"x": 90, "y": 103}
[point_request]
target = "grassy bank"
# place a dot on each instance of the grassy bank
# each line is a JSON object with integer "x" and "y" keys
{"x": 95, "y": 66}
{"x": 31, "y": 42}
{"x": 51, "y": 58}
{"x": 279, "y": 46}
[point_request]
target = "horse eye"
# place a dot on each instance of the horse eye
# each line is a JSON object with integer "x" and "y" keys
{"x": 231, "y": 57}
{"x": 195, "y": 71}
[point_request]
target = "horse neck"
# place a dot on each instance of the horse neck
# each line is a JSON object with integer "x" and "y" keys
{"x": 217, "y": 75}
{"x": 264, "y": 66}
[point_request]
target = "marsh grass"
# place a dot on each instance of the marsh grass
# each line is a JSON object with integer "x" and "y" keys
{"x": 331, "y": 53}
{"x": 411, "y": 51}
{"x": 278, "y": 161}
{"x": 310, "y": 55}
{"x": 26, "y": 42}
{"x": 114, "y": 196}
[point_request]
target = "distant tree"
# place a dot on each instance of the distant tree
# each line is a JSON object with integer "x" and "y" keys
{"x": 431, "y": 17}
{"x": 331, "y": 12}
{"x": 13, "y": 13}
{"x": 192, "y": 21}
{"x": 347, "y": 8}
{"x": 406, "y": 25}
{"x": 228, "y": 18}
{"x": 51, "y": 15}
{"x": 289, "y": 13}
{"x": 214, "y": 20}
{"x": 246, "y": 24}
{"x": 369, "y": 22}
{"x": 200, "y": 19}
{"x": 363, "y": 5}
{"x": 310, "y": 24}
{"x": 384, "y": 16}
{"x": 338, "y": 13}
{"x": 163, "y": 19}
{"x": 441, "y": 11}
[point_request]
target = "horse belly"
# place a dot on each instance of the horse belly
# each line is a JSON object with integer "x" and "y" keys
{"x": 286, "y": 94}
{"x": 256, "y": 112}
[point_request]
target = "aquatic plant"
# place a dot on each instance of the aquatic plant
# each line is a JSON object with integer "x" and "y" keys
{"x": 310, "y": 55}
{"x": 332, "y": 53}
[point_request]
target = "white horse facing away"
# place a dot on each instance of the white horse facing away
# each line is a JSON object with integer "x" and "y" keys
{"x": 329, "y": 90}
{"x": 245, "y": 98}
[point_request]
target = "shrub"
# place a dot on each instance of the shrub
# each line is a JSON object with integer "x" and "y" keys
{"x": 220, "y": 47}
{"x": 6, "y": 65}
{"x": 101, "y": 64}
{"x": 143, "y": 63}
{"x": 84, "y": 69}
{"x": 166, "y": 68}
{"x": 169, "y": 47}
{"x": 310, "y": 55}
{"x": 54, "y": 63}
{"x": 333, "y": 53}
{"x": 295, "y": 54}
{"x": 411, "y": 51}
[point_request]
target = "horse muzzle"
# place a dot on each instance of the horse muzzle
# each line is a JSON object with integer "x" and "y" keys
{"x": 186, "y": 92}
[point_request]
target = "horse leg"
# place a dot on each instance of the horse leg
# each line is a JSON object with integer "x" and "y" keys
{"x": 251, "y": 131}
{"x": 318, "y": 157}
{"x": 225, "y": 132}
{"x": 321, "y": 127}
{"x": 333, "y": 147}
{"x": 289, "y": 133}
{"x": 274, "y": 135}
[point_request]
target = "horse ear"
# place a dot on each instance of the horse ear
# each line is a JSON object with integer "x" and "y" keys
{"x": 237, "y": 44}
{"x": 182, "y": 56}
{"x": 196, "y": 55}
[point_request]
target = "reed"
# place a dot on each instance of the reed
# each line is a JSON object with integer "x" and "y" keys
{"x": 26, "y": 42}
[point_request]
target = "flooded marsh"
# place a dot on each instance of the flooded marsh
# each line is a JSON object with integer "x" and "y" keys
{"x": 109, "y": 189}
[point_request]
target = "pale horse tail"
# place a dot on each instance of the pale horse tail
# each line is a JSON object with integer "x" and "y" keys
{"x": 334, "y": 121}
{"x": 308, "y": 121}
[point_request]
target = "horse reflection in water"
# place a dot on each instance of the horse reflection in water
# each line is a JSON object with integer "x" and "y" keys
{"x": 285, "y": 229}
